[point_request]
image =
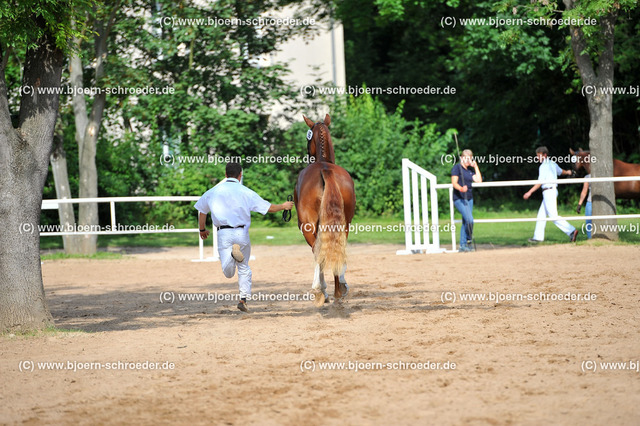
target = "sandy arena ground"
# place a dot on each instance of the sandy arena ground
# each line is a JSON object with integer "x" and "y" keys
{"x": 517, "y": 362}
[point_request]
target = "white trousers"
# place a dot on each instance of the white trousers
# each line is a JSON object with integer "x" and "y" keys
{"x": 226, "y": 239}
{"x": 549, "y": 208}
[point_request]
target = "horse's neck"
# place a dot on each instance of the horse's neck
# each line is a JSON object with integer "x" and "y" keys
{"x": 325, "y": 153}
{"x": 330, "y": 156}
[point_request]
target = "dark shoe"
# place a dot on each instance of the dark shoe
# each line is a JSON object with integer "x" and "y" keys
{"x": 533, "y": 240}
{"x": 243, "y": 306}
{"x": 574, "y": 235}
{"x": 236, "y": 253}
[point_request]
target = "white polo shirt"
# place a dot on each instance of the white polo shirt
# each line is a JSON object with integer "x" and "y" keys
{"x": 549, "y": 170}
{"x": 231, "y": 203}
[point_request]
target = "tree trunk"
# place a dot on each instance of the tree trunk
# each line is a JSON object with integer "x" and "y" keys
{"x": 88, "y": 179}
{"x": 88, "y": 129}
{"x": 88, "y": 188}
{"x": 63, "y": 191}
{"x": 24, "y": 162}
{"x": 601, "y": 118}
{"x": 601, "y": 148}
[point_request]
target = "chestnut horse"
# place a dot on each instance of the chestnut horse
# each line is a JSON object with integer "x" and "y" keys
{"x": 623, "y": 190}
{"x": 325, "y": 200}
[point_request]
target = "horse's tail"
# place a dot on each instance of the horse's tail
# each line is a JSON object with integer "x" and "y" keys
{"x": 330, "y": 248}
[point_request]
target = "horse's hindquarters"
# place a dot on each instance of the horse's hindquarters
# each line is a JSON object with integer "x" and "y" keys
{"x": 307, "y": 198}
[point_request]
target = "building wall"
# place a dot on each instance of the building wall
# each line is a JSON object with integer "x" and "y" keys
{"x": 312, "y": 62}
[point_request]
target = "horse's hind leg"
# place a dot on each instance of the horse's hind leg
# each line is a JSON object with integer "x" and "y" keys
{"x": 341, "y": 287}
{"x": 319, "y": 287}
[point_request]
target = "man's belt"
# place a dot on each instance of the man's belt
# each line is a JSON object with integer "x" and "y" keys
{"x": 228, "y": 227}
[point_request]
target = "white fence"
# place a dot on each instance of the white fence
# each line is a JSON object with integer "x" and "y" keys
{"x": 116, "y": 228}
{"x": 418, "y": 200}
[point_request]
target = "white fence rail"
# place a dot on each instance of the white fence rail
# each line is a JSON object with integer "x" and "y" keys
{"x": 414, "y": 179}
{"x": 117, "y": 229}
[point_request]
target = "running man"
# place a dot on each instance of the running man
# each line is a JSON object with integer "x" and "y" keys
{"x": 548, "y": 171}
{"x": 230, "y": 204}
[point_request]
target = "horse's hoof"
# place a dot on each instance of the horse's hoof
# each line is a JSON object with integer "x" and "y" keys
{"x": 318, "y": 298}
{"x": 344, "y": 289}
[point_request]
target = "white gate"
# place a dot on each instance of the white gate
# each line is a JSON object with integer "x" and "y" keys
{"x": 420, "y": 198}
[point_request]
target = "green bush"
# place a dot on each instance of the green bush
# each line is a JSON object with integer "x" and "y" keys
{"x": 370, "y": 143}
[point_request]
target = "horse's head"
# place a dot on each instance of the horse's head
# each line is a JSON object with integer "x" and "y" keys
{"x": 581, "y": 160}
{"x": 319, "y": 143}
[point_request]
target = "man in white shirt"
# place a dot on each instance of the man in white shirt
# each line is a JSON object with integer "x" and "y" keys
{"x": 230, "y": 204}
{"x": 549, "y": 170}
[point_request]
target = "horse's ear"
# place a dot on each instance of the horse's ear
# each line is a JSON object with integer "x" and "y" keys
{"x": 580, "y": 150}
{"x": 572, "y": 152}
{"x": 327, "y": 120}
{"x": 309, "y": 122}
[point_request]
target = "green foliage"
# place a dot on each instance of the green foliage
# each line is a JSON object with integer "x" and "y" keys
{"x": 218, "y": 96}
{"x": 517, "y": 87}
{"x": 627, "y": 108}
{"x": 391, "y": 9}
{"x": 370, "y": 143}
{"x": 580, "y": 11}
{"x": 23, "y": 22}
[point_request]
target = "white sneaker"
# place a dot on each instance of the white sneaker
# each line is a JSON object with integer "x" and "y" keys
{"x": 236, "y": 253}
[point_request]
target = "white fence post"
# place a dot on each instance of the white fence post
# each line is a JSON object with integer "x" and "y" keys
{"x": 452, "y": 222}
{"x": 406, "y": 196}
{"x": 112, "y": 204}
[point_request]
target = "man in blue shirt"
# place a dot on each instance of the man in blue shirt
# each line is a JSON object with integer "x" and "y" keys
{"x": 549, "y": 171}
{"x": 463, "y": 175}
